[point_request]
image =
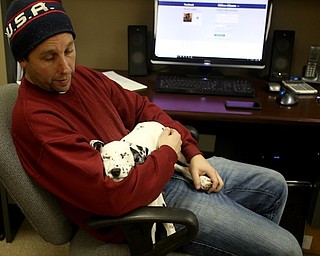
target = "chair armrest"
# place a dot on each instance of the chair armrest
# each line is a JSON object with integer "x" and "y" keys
{"x": 137, "y": 225}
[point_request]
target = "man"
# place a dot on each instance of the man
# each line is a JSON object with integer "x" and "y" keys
{"x": 61, "y": 107}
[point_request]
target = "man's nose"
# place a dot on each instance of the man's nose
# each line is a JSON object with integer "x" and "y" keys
{"x": 63, "y": 65}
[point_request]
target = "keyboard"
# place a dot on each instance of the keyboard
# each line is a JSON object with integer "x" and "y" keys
{"x": 218, "y": 85}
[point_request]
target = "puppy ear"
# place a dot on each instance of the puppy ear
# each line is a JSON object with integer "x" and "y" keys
{"x": 97, "y": 144}
{"x": 143, "y": 149}
{"x": 138, "y": 158}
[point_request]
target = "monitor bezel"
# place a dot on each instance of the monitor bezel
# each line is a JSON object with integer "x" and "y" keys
{"x": 212, "y": 62}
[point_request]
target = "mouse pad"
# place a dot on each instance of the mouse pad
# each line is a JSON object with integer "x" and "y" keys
{"x": 194, "y": 103}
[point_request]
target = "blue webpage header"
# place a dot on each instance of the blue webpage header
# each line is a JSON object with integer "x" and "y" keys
{"x": 214, "y": 5}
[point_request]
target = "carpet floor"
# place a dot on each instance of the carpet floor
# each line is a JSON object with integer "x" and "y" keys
{"x": 28, "y": 243}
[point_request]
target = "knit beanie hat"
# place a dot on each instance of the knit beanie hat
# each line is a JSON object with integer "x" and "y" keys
{"x": 30, "y": 22}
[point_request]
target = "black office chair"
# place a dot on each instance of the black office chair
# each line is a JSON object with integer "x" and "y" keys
{"x": 43, "y": 213}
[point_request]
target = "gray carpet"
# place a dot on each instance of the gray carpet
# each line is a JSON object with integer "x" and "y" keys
{"x": 28, "y": 243}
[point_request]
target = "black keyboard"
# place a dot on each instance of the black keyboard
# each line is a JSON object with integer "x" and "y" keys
{"x": 220, "y": 85}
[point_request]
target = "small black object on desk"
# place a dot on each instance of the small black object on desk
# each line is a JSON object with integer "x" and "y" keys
{"x": 287, "y": 98}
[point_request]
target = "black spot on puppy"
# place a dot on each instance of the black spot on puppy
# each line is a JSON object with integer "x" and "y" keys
{"x": 123, "y": 155}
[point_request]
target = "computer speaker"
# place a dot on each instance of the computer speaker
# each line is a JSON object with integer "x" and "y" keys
{"x": 281, "y": 55}
{"x": 137, "y": 50}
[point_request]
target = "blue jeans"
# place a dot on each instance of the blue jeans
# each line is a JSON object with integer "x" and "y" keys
{"x": 243, "y": 218}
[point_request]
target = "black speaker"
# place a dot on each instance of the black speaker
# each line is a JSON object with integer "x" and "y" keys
{"x": 137, "y": 50}
{"x": 281, "y": 56}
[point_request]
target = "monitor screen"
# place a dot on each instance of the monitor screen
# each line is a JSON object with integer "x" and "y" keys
{"x": 215, "y": 33}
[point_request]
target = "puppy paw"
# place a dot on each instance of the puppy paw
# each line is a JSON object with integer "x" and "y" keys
{"x": 205, "y": 182}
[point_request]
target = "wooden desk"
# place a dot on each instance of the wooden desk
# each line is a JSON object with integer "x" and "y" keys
{"x": 282, "y": 138}
{"x": 211, "y": 108}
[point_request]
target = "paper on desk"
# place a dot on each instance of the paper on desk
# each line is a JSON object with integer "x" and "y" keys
{"x": 126, "y": 83}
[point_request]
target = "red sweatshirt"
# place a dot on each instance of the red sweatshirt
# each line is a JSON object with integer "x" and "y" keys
{"x": 52, "y": 132}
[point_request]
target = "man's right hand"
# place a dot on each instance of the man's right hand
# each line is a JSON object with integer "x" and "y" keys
{"x": 172, "y": 138}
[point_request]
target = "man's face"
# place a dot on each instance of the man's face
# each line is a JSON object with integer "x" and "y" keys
{"x": 52, "y": 63}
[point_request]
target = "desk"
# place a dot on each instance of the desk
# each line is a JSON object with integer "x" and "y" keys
{"x": 307, "y": 112}
{"x": 274, "y": 134}
{"x": 282, "y": 138}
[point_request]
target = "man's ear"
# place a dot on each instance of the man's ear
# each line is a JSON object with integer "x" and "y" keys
{"x": 23, "y": 63}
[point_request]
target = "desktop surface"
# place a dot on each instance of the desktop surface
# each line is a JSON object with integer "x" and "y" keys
{"x": 211, "y": 108}
{"x": 194, "y": 103}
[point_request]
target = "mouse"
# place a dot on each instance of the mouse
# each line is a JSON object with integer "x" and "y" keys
{"x": 287, "y": 98}
{"x": 274, "y": 87}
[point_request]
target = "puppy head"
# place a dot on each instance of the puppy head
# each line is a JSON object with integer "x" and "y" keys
{"x": 117, "y": 159}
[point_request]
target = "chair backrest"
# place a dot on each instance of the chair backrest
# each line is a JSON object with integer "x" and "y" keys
{"x": 39, "y": 207}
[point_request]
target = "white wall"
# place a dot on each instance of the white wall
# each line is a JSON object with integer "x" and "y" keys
{"x": 101, "y": 27}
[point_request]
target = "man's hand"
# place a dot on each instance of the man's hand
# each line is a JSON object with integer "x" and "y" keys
{"x": 200, "y": 166}
{"x": 172, "y": 138}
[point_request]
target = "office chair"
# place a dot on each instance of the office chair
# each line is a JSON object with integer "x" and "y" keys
{"x": 41, "y": 209}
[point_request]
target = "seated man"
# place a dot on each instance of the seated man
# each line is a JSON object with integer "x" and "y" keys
{"x": 61, "y": 107}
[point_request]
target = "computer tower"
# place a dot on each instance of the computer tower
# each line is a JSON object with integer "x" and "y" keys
{"x": 297, "y": 206}
{"x": 314, "y": 213}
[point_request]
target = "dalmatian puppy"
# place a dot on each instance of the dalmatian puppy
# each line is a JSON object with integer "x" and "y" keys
{"x": 118, "y": 159}
{"x": 120, "y": 156}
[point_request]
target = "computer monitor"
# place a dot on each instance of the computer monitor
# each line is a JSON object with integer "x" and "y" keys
{"x": 213, "y": 33}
